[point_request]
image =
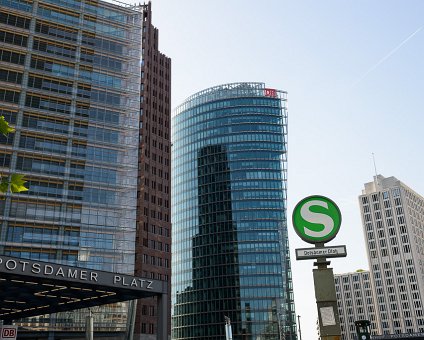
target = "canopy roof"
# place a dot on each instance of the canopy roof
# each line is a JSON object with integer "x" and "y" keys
{"x": 30, "y": 288}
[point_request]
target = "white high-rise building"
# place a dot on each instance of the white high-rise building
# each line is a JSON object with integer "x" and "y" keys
{"x": 355, "y": 301}
{"x": 393, "y": 221}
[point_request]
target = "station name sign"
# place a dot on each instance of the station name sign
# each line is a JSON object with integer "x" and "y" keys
{"x": 419, "y": 335}
{"x": 317, "y": 252}
{"x": 39, "y": 269}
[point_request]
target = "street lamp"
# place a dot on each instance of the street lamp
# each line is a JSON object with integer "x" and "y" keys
{"x": 228, "y": 332}
{"x": 300, "y": 332}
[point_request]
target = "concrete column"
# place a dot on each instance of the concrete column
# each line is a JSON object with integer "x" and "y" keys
{"x": 325, "y": 294}
{"x": 89, "y": 327}
{"x": 132, "y": 311}
{"x": 162, "y": 331}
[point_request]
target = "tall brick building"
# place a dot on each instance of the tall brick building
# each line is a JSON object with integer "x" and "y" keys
{"x": 153, "y": 241}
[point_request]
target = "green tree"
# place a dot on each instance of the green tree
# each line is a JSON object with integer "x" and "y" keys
{"x": 14, "y": 182}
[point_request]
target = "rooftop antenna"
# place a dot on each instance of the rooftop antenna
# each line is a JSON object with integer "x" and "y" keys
{"x": 375, "y": 169}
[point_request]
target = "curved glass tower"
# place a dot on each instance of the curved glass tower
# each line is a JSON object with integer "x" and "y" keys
{"x": 230, "y": 247}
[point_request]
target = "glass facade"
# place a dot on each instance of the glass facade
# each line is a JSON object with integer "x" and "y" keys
{"x": 70, "y": 85}
{"x": 230, "y": 246}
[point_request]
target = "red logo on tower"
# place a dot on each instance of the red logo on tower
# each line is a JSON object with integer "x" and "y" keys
{"x": 270, "y": 92}
{"x": 8, "y": 332}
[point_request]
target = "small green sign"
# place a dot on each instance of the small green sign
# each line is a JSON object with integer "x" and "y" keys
{"x": 317, "y": 219}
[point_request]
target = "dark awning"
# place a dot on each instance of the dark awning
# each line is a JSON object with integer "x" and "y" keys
{"x": 30, "y": 288}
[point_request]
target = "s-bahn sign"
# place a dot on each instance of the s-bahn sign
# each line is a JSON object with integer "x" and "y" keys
{"x": 316, "y": 219}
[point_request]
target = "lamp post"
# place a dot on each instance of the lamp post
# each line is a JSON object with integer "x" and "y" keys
{"x": 300, "y": 332}
{"x": 228, "y": 332}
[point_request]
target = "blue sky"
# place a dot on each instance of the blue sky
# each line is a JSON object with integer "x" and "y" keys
{"x": 354, "y": 72}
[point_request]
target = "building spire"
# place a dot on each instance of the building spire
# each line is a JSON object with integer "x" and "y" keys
{"x": 376, "y": 173}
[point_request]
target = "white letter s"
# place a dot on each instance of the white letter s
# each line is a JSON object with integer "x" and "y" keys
{"x": 317, "y": 218}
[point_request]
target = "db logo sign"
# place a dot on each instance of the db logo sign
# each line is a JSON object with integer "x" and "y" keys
{"x": 270, "y": 92}
{"x": 9, "y": 332}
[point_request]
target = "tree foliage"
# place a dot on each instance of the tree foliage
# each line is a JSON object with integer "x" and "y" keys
{"x": 14, "y": 182}
{"x": 4, "y": 126}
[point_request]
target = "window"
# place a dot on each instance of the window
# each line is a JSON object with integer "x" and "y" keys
{"x": 55, "y": 30}
{"x": 10, "y": 76}
{"x": 12, "y": 57}
{"x": 54, "y": 48}
{"x": 13, "y": 20}
{"x": 13, "y": 38}
{"x": 9, "y": 96}
{"x": 49, "y": 104}
{"x": 50, "y": 85}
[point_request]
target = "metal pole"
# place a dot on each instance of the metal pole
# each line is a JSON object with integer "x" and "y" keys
{"x": 300, "y": 332}
{"x": 89, "y": 325}
{"x": 132, "y": 305}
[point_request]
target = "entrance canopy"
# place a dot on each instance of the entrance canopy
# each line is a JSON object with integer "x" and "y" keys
{"x": 30, "y": 288}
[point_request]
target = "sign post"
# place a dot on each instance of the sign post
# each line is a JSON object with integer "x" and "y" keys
{"x": 317, "y": 220}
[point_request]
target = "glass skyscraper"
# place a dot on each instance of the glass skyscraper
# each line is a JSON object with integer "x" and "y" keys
{"x": 70, "y": 85}
{"x": 230, "y": 246}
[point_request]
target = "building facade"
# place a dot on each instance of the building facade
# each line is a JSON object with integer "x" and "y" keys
{"x": 70, "y": 85}
{"x": 355, "y": 301}
{"x": 393, "y": 221}
{"x": 230, "y": 246}
{"x": 153, "y": 242}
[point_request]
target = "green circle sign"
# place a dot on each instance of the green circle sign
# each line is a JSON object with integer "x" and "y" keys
{"x": 316, "y": 219}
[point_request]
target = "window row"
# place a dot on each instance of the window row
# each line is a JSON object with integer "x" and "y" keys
{"x": 221, "y": 108}
{"x": 10, "y": 76}
{"x": 44, "y": 235}
{"x": 12, "y": 57}
{"x": 13, "y": 38}
{"x": 156, "y": 185}
{"x": 55, "y": 48}
{"x": 9, "y": 96}
{"x": 156, "y": 261}
{"x": 158, "y": 230}
{"x": 156, "y": 214}
{"x": 14, "y": 20}
{"x": 23, "y": 5}
{"x": 47, "y": 84}
{"x": 157, "y": 245}
{"x": 156, "y": 200}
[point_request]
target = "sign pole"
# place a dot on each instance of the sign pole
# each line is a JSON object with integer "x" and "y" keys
{"x": 317, "y": 220}
{"x": 326, "y": 299}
